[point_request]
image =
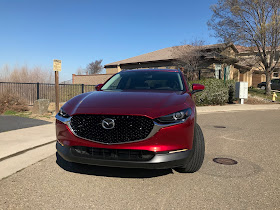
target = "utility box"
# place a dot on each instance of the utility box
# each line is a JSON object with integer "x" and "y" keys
{"x": 241, "y": 91}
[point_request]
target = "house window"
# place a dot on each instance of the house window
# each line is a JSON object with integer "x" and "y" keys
{"x": 227, "y": 72}
{"x": 218, "y": 69}
{"x": 275, "y": 74}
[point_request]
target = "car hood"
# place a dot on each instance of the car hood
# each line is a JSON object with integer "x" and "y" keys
{"x": 151, "y": 104}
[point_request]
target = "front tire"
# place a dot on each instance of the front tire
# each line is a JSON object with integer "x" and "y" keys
{"x": 197, "y": 158}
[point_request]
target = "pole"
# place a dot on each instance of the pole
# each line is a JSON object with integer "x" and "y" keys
{"x": 225, "y": 74}
{"x": 56, "y": 91}
{"x": 38, "y": 91}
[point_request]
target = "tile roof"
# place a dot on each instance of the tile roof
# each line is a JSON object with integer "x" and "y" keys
{"x": 243, "y": 49}
{"x": 162, "y": 54}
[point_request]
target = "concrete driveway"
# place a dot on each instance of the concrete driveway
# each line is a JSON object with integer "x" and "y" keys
{"x": 249, "y": 137}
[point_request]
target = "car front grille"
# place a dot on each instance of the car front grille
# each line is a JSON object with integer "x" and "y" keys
{"x": 126, "y": 129}
{"x": 112, "y": 154}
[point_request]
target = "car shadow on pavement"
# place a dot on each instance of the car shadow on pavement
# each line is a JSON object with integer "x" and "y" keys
{"x": 110, "y": 171}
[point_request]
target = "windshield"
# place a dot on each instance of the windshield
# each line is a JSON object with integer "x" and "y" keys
{"x": 145, "y": 80}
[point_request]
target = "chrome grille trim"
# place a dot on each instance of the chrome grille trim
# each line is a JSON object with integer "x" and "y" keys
{"x": 155, "y": 129}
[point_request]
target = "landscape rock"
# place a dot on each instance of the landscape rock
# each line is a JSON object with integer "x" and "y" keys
{"x": 41, "y": 106}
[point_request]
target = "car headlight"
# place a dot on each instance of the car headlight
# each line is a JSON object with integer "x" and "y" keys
{"x": 175, "y": 117}
{"x": 62, "y": 113}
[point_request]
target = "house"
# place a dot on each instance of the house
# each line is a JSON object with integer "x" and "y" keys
{"x": 251, "y": 69}
{"x": 221, "y": 61}
{"x": 217, "y": 60}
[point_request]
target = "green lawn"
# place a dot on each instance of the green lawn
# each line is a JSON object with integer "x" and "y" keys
{"x": 261, "y": 93}
{"x": 27, "y": 114}
{"x": 19, "y": 114}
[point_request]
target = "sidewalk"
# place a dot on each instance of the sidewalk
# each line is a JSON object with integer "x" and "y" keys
{"x": 236, "y": 107}
{"x": 17, "y": 141}
{"x": 23, "y": 147}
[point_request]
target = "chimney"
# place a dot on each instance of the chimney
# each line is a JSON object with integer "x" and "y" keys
{"x": 73, "y": 76}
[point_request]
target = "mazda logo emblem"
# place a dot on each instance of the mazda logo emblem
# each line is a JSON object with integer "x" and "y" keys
{"x": 108, "y": 123}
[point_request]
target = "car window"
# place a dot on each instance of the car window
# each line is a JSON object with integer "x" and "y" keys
{"x": 145, "y": 80}
{"x": 275, "y": 81}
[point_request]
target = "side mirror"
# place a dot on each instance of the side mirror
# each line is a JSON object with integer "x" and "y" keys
{"x": 98, "y": 87}
{"x": 197, "y": 88}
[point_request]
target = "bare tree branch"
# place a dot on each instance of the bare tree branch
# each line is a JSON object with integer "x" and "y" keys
{"x": 188, "y": 57}
{"x": 94, "y": 67}
{"x": 79, "y": 71}
{"x": 253, "y": 23}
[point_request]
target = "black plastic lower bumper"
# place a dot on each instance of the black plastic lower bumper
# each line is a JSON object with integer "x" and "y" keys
{"x": 159, "y": 161}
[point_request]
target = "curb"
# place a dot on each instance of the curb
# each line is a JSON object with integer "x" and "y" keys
{"x": 25, "y": 150}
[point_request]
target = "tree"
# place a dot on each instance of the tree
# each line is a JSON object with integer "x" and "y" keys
{"x": 79, "y": 71}
{"x": 188, "y": 57}
{"x": 252, "y": 23}
{"x": 25, "y": 74}
{"x": 94, "y": 67}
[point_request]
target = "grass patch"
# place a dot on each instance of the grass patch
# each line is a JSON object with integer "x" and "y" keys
{"x": 28, "y": 114}
{"x": 19, "y": 114}
{"x": 46, "y": 116}
{"x": 261, "y": 93}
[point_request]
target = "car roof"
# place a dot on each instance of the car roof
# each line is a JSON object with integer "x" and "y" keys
{"x": 162, "y": 70}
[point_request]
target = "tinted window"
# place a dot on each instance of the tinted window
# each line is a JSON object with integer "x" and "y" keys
{"x": 145, "y": 80}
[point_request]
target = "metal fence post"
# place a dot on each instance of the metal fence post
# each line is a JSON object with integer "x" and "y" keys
{"x": 83, "y": 88}
{"x": 38, "y": 89}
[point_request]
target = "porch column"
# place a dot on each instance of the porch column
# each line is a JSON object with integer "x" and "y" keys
{"x": 118, "y": 68}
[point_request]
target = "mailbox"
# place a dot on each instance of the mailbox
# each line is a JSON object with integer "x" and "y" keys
{"x": 241, "y": 91}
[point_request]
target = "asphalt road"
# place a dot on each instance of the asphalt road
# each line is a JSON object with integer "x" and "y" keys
{"x": 8, "y": 123}
{"x": 249, "y": 137}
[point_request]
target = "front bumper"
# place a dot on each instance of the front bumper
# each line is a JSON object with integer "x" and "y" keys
{"x": 170, "y": 138}
{"x": 159, "y": 161}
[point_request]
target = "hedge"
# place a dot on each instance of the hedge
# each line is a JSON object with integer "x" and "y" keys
{"x": 216, "y": 92}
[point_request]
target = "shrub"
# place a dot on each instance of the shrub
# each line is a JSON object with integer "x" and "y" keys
{"x": 12, "y": 102}
{"x": 217, "y": 92}
{"x": 231, "y": 90}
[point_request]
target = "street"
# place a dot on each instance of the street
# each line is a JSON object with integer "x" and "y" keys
{"x": 249, "y": 137}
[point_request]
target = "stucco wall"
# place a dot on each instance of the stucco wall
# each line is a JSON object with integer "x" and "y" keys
{"x": 111, "y": 70}
{"x": 93, "y": 79}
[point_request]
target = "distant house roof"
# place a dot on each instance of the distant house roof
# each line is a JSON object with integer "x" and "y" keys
{"x": 243, "y": 49}
{"x": 163, "y": 54}
{"x": 166, "y": 54}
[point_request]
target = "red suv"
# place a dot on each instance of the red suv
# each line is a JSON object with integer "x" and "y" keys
{"x": 137, "y": 119}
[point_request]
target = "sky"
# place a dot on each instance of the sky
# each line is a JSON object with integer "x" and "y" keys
{"x": 34, "y": 32}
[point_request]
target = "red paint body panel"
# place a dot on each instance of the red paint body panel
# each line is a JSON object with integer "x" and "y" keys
{"x": 152, "y": 104}
{"x": 198, "y": 87}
